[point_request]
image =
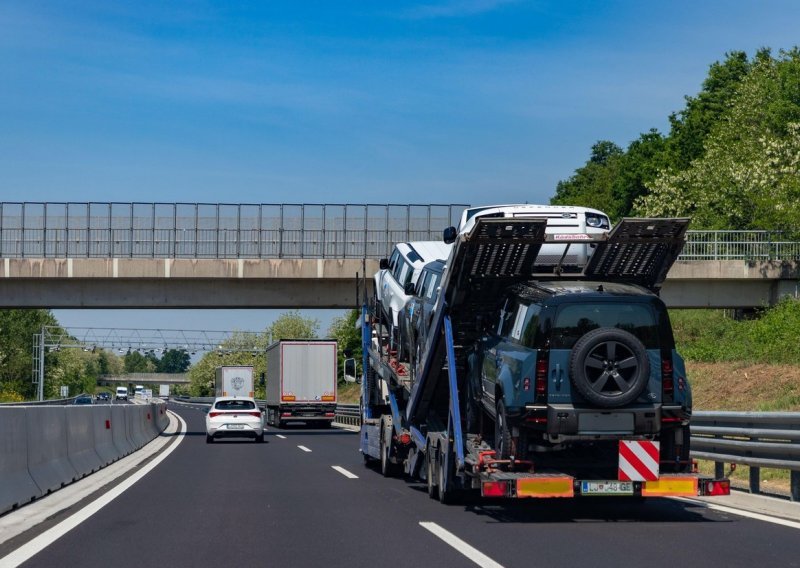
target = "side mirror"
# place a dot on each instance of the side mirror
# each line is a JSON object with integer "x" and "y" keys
{"x": 449, "y": 235}
{"x": 409, "y": 288}
{"x": 384, "y": 264}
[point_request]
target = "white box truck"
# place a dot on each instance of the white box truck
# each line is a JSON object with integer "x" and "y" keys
{"x": 234, "y": 381}
{"x": 301, "y": 382}
{"x": 163, "y": 391}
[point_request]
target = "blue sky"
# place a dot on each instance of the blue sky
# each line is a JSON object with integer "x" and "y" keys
{"x": 464, "y": 101}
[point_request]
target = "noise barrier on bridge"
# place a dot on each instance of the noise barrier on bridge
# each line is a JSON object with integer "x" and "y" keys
{"x": 17, "y": 486}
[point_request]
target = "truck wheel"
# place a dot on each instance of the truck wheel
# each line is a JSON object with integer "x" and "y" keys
{"x": 433, "y": 491}
{"x": 609, "y": 367}
{"x": 387, "y": 467}
{"x": 502, "y": 433}
{"x": 448, "y": 494}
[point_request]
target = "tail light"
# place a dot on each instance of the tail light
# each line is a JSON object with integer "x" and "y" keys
{"x": 715, "y": 487}
{"x": 404, "y": 438}
{"x": 667, "y": 377}
{"x": 540, "y": 387}
{"x": 285, "y": 414}
{"x": 494, "y": 488}
{"x": 257, "y": 414}
{"x": 213, "y": 414}
{"x": 330, "y": 414}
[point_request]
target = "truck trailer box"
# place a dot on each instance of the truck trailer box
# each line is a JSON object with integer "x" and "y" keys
{"x": 301, "y": 381}
{"x": 234, "y": 381}
{"x": 163, "y": 391}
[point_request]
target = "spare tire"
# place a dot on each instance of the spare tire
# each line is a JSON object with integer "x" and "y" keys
{"x": 609, "y": 367}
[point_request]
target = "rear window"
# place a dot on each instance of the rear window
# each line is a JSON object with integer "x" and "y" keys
{"x": 235, "y": 405}
{"x": 573, "y": 321}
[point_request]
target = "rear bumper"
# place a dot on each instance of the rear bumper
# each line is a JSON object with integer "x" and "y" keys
{"x": 566, "y": 421}
{"x": 306, "y": 412}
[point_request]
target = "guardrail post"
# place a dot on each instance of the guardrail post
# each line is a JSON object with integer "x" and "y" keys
{"x": 794, "y": 485}
{"x": 719, "y": 470}
{"x": 755, "y": 480}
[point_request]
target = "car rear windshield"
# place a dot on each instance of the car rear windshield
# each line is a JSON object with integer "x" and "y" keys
{"x": 573, "y": 321}
{"x": 235, "y": 405}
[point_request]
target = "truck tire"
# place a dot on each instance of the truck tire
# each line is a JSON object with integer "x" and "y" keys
{"x": 430, "y": 462}
{"x": 502, "y": 432}
{"x": 448, "y": 494}
{"x": 388, "y": 469}
{"x": 609, "y": 367}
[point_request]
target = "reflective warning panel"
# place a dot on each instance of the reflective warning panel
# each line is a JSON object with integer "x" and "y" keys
{"x": 640, "y": 251}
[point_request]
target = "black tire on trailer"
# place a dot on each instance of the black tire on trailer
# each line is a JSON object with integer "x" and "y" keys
{"x": 448, "y": 494}
{"x": 430, "y": 461}
{"x": 609, "y": 367}
{"x": 502, "y": 432}
{"x": 387, "y": 467}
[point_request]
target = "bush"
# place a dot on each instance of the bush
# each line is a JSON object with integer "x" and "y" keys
{"x": 711, "y": 336}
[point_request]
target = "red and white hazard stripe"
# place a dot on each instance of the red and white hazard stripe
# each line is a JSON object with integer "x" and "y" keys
{"x": 638, "y": 460}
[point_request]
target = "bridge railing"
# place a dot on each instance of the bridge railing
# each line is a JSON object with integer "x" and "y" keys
{"x": 216, "y": 230}
{"x": 220, "y": 230}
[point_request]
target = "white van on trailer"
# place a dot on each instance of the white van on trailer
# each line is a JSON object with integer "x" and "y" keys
{"x": 301, "y": 382}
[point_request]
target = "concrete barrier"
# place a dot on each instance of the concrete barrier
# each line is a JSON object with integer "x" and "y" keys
{"x": 80, "y": 440}
{"x": 16, "y": 484}
{"x": 119, "y": 431}
{"x": 48, "y": 461}
{"x": 43, "y": 448}
{"x": 103, "y": 435}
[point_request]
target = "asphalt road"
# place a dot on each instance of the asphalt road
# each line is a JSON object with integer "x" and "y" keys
{"x": 236, "y": 503}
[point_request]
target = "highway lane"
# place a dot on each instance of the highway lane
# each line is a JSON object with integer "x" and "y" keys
{"x": 239, "y": 503}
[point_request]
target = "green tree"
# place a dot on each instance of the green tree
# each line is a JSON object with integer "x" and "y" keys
{"x": 135, "y": 362}
{"x": 348, "y": 337}
{"x": 17, "y": 328}
{"x": 592, "y": 184}
{"x": 291, "y": 325}
{"x": 749, "y": 175}
{"x": 174, "y": 361}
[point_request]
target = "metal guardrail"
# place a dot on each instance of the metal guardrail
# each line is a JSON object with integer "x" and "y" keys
{"x": 263, "y": 230}
{"x": 755, "y": 439}
{"x": 216, "y": 230}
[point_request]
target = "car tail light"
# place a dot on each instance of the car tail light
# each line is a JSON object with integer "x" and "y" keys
{"x": 256, "y": 414}
{"x": 542, "y": 364}
{"x": 213, "y": 414}
{"x": 494, "y": 488}
{"x": 667, "y": 377}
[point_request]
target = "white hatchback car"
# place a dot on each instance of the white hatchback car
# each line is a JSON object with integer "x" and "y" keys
{"x": 234, "y": 416}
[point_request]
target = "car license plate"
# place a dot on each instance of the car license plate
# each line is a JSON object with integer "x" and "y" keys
{"x": 235, "y": 427}
{"x": 606, "y": 488}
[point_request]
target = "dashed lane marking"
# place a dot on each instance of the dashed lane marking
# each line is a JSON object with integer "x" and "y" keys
{"x": 467, "y": 550}
{"x": 281, "y": 436}
{"x": 344, "y": 472}
{"x": 304, "y": 448}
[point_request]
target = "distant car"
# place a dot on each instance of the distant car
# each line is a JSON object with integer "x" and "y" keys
{"x": 415, "y": 320}
{"x": 104, "y": 396}
{"x": 122, "y": 393}
{"x": 234, "y": 417}
{"x": 83, "y": 399}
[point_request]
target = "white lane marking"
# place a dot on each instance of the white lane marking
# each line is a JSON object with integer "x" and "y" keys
{"x": 281, "y": 436}
{"x": 304, "y": 448}
{"x": 742, "y": 513}
{"x": 467, "y": 550}
{"x": 344, "y": 472}
{"x": 36, "y": 545}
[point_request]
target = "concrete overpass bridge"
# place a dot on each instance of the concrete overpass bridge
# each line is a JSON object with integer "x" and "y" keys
{"x": 177, "y": 255}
